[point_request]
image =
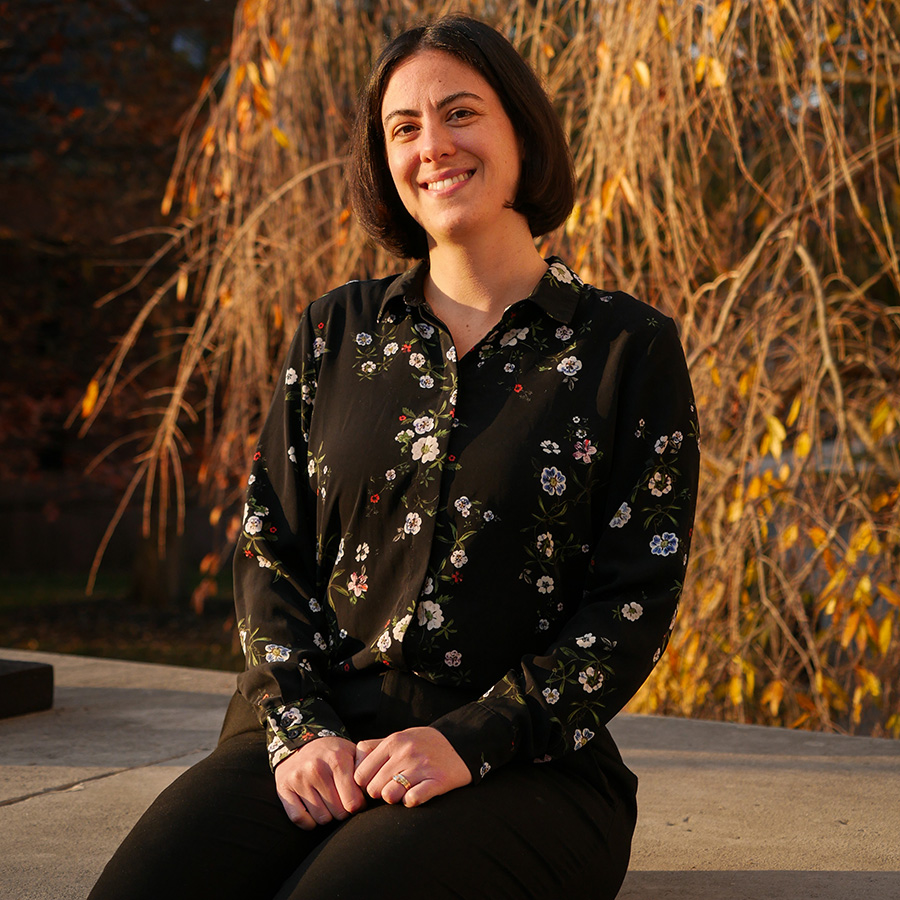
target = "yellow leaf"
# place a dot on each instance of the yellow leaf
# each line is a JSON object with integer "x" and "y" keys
{"x": 169, "y": 196}
{"x": 883, "y": 420}
{"x": 89, "y": 400}
{"x": 622, "y": 92}
{"x": 773, "y": 695}
{"x": 182, "y": 285}
{"x": 802, "y": 445}
{"x": 870, "y": 681}
{"x": 285, "y": 55}
{"x": 817, "y": 536}
{"x": 281, "y": 138}
{"x": 885, "y": 632}
{"x": 736, "y": 690}
{"x": 716, "y": 77}
{"x": 604, "y": 57}
{"x": 269, "y": 72}
{"x": 735, "y": 509}
{"x": 664, "y": 28}
{"x": 784, "y": 472}
{"x": 719, "y": 19}
{"x": 572, "y": 220}
{"x": 835, "y": 30}
{"x": 789, "y": 536}
{"x": 850, "y": 627}
{"x": 776, "y": 429}
{"x": 253, "y": 74}
{"x": 862, "y": 593}
{"x": 755, "y": 489}
{"x": 888, "y": 593}
{"x": 642, "y": 73}
{"x": 793, "y": 413}
{"x": 548, "y": 51}
{"x": 700, "y": 68}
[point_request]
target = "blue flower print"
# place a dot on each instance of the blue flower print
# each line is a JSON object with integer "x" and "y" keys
{"x": 664, "y": 544}
{"x": 553, "y": 481}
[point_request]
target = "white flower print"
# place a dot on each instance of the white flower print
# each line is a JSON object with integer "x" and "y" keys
{"x": 368, "y": 367}
{"x": 551, "y": 695}
{"x": 582, "y": 736}
{"x": 623, "y": 514}
{"x": 416, "y": 360}
{"x": 244, "y": 636}
{"x": 586, "y": 640}
{"x": 311, "y": 468}
{"x": 659, "y": 484}
{"x": 451, "y": 354}
{"x": 391, "y": 474}
{"x": 357, "y": 585}
{"x": 253, "y": 525}
{"x": 319, "y": 641}
{"x": 252, "y": 478}
{"x": 590, "y": 679}
{"x": 677, "y": 438}
{"x": 342, "y": 634}
{"x": 363, "y": 339}
{"x": 453, "y": 397}
{"x": 452, "y": 658}
{"x": 545, "y": 544}
{"x": 661, "y": 444}
{"x": 340, "y": 552}
{"x": 362, "y": 551}
{"x": 426, "y": 382}
{"x": 277, "y": 653}
{"x": 425, "y": 449}
{"x": 458, "y": 558}
{"x": 488, "y": 515}
{"x": 657, "y": 655}
{"x": 509, "y": 367}
{"x": 563, "y": 333}
{"x": 545, "y": 584}
{"x": 423, "y": 424}
{"x": 639, "y": 431}
{"x": 549, "y": 446}
{"x": 664, "y": 544}
{"x": 513, "y": 336}
{"x": 485, "y": 768}
{"x": 314, "y": 605}
{"x": 463, "y": 506}
{"x": 632, "y": 611}
{"x": 424, "y": 329}
{"x": 561, "y": 273}
{"x": 291, "y": 716}
{"x": 327, "y": 732}
{"x": 384, "y": 642}
{"x": 401, "y": 626}
{"x": 543, "y": 624}
{"x": 413, "y": 523}
{"x": 318, "y": 347}
{"x": 584, "y": 450}
{"x": 569, "y": 366}
{"x": 430, "y": 615}
{"x": 305, "y": 664}
{"x": 290, "y": 377}
{"x": 276, "y": 745}
{"x": 553, "y": 481}
{"x": 263, "y": 562}
{"x": 292, "y": 455}
{"x": 391, "y": 348}
{"x": 428, "y": 587}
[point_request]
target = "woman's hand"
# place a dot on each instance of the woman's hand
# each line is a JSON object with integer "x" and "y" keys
{"x": 423, "y": 756}
{"x": 315, "y": 783}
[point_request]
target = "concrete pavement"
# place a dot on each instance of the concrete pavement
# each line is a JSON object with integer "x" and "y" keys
{"x": 726, "y": 811}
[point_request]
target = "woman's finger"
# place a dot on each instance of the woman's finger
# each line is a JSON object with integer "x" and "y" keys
{"x": 296, "y": 810}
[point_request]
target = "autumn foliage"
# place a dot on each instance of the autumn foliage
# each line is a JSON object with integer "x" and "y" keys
{"x": 738, "y": 166}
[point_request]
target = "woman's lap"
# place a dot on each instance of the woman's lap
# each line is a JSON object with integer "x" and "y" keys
{"x": 527, "y": 830}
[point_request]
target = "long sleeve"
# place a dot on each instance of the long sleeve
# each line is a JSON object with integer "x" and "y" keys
{"x": 284, "y": 626}
{"x": 643, "y": 515}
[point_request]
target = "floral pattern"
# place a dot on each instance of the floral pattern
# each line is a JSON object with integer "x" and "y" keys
{"x": 537, "y": 496}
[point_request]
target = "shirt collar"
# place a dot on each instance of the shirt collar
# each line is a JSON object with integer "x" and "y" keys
{"x": 556, "y": 293}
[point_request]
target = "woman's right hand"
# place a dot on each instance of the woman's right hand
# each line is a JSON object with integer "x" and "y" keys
{"x": 315, "y": 783}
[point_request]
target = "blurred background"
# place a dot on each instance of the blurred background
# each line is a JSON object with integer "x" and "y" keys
{"x": 738, "y": 166}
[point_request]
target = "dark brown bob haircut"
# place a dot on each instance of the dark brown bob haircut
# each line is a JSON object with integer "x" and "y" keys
{"x": 546, "y": 190}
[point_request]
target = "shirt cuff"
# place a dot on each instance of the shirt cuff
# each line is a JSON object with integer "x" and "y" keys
{"x": 291, "y": 726}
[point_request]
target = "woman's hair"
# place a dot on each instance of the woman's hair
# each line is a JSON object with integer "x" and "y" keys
{"x": 546, "y": 189}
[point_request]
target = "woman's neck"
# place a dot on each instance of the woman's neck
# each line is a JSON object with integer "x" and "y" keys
{"x": 469, "y": 288}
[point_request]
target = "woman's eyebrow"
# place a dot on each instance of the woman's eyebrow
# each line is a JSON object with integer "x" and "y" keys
{"x": 446, "y": 101}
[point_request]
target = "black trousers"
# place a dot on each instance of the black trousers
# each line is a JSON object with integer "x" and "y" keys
{"x": 527, "y": 831}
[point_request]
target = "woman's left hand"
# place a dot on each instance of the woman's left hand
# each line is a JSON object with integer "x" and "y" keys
{"x": 423, "y": 756}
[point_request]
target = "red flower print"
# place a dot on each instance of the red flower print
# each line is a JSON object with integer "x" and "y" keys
{"x": 257, "y": 456}
{"x": 451, "y": 458}
{"x": 321, "y": 325}
{"x": 407, "y": 348}
{"x": 374, "y": 498}
{"x": 272, "y": 530}
{"x": 248, "y": 554}
{"x": 518, "y": 388}
{"x": 457, "y": 577}
{"x": 402, "y": 418}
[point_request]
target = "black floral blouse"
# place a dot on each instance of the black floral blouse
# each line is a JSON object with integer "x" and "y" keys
{"x": 515, "y": 522}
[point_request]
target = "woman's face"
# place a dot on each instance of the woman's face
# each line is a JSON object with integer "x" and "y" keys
{"x": 451, "y": 149}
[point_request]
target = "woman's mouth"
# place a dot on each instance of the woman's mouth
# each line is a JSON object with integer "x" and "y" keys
{"x": 448, "y": 182}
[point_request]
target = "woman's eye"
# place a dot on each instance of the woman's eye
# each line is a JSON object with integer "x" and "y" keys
{"x": 459, "y": 114}
{"x": 404, "y": 130}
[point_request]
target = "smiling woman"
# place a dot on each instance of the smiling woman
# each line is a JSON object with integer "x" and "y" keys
{"x": 466, "y": 531}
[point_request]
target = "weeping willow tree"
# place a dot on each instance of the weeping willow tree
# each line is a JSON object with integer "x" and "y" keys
{"x": 738, "y": 166}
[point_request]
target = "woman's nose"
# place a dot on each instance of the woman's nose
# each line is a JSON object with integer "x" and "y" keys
{"x": 437, "y": 142}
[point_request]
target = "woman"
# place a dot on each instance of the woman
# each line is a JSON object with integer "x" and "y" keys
{"x": 466, "y": 532}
